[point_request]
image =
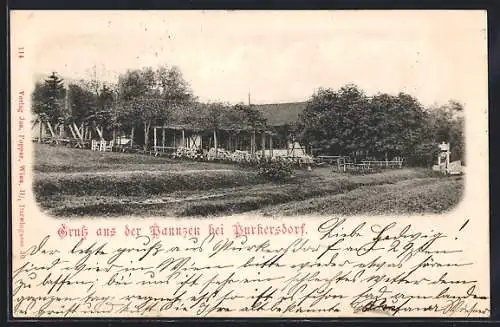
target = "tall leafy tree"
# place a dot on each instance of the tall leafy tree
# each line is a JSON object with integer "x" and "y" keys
{"x": 82, "y": 102}
{"x": 446, "y": 124}
{"x": 347, "y": 122}
{"x": 152, "y": 96}
{"x": 93, "y": 106}
{"x": 252, "y": 117}
{"x": 48, "y": 100}
{"x": 132, "y": 88}
{"x": 177, "y": 96}
{"x": 334, "y": 122}
{"x": 395, "y": 125}
{"x": 214, "y": 117}
{"x": 109, "y": 115}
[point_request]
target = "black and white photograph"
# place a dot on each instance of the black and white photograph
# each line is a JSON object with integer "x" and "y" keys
{"x": 179, "y": 115}
{"x": 237, "y": 164}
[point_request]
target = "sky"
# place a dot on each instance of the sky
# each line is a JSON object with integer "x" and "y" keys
{"x": 277, "y": 56}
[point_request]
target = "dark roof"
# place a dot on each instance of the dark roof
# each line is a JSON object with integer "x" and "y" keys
{"x": 278, "y": 114}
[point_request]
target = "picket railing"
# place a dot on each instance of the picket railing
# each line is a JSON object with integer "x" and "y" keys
{"x": 383, "y": 163}
{"x": 101, "y": 145}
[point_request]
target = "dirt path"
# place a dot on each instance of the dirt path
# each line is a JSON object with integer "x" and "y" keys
{"x": 182, "y": 198}
{"x": 133, "y": 172}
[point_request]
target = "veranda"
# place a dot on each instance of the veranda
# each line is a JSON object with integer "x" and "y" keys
{"x": 168, "y": 138}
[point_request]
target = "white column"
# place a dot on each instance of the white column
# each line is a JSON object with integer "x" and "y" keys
{"x": 163, "y": 138}
{"x": 215, "y": 143}
{"x": 154, "y": 136}
{"x": 271, "y": 145}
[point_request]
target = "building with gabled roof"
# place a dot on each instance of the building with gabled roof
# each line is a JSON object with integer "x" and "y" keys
{"x": 279, "y": 114}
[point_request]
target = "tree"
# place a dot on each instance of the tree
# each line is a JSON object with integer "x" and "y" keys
{"x": 347, "y": 122}
{"x": 175, "y": 90}
{"x": 334, "y": 122}
{"x": 150, "y": 104}
{"x": 446, "y": 124}
{"x": 132, "y": 89}
{"x": 213, "y": 116}
{"x": 395, "y": 125}
{"x": 252, "y": 117}
{"x": 93, "y": 106}
{"x": 177, "y": 95}
{"x": 48, "y": 100}
{"x": 152, "y": 96}
{"x": 107, "y": 107}
{"x": 82, "y": 102}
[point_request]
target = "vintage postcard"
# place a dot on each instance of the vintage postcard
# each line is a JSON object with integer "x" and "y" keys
{"x": 249, "y": 164}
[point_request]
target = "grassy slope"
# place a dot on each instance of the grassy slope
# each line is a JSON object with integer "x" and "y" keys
{"x": 81, "y": 182}
{"x": 423, "y": 195}
{"x": 50, "y": 159}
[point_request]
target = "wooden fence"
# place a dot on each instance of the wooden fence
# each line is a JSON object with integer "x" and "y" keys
{"x": 342, "y": 164}
{"x": 384, "y": 163}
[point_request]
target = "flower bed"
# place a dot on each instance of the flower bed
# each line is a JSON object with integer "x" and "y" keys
{"x": 188, "y": 153}
{"x": 244, "y": 158}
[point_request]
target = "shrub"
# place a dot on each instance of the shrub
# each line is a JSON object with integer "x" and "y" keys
{"x": 275, "y": 169}
{"x": 424, "y": 155}
{"x": 188, "y": 153}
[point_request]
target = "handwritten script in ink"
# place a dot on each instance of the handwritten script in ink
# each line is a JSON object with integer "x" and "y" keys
{"x": 331, "y": 268}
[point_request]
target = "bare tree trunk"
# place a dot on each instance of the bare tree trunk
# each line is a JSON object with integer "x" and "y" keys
{"x": 146, "y": 135}
{"x": 40, "y": 131}
{"x": 215, "y": 143}
{"x": 271, "y": 146}
{"x": 263, "y": 144}
{"x": 132, "y": 132}
{"x": 163, "y": 139}
{"x": 49, "y": 125}
{"x": 154, "y": 139}
{"x": 77, "y": 132}
{"x": 252, "y": 143}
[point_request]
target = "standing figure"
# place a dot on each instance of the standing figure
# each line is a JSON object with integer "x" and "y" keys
{"x": 444, "y": 157}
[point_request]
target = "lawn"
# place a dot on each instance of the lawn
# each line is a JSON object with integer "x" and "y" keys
{"x": 75, "y": 182}
{"x": 63, "y": 159}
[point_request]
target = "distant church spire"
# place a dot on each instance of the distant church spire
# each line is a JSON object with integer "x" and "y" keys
{"x": 249, "y": 97}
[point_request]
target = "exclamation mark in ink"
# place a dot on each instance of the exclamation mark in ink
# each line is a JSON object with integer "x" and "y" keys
{"x": 463, "y": 226}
